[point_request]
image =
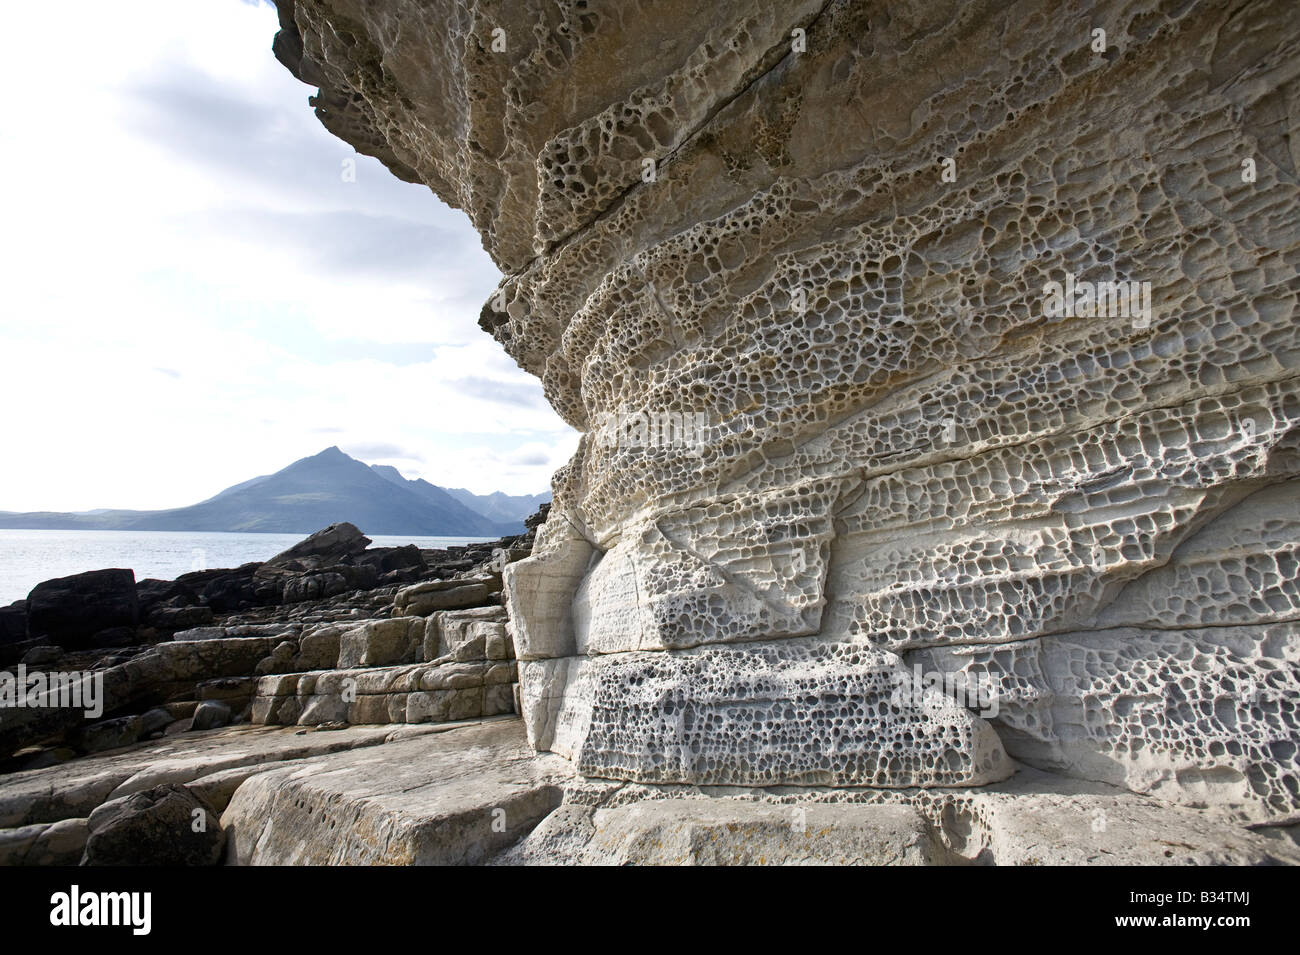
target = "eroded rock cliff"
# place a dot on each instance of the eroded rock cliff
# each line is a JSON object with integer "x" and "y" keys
{"x": 810, "y": 277}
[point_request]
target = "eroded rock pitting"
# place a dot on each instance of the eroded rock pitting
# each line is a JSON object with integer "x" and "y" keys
{"x": 740, "y": 211}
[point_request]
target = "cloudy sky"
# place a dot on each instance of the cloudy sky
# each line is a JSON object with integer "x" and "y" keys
{"x": 192, "y": 294}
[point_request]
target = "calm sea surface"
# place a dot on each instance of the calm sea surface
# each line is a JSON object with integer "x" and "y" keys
{"x": 28, "y": 557}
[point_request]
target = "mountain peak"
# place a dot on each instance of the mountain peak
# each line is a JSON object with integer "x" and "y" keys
{"x": 326, "y": 488}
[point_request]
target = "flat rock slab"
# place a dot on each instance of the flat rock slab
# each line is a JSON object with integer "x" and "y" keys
{"x": 1042, "y": 819}
{"x": 455, "y": 797}
{"x": 44, "y": 844}
{"x": 1035, "y": 818}
{"x": 730, "y": 832}
{"x": 73, "y": 789}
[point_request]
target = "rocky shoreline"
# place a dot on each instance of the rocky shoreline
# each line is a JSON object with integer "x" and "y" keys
{"x": 110, "y": 609}
{"x": 328, "y": 634}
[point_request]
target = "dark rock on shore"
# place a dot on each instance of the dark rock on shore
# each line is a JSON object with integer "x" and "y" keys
{"x": 166, "y": 825}
{"x": 14, "y": 642}
{"x": 107, "y": 734}
{"x": 13, "y": 623}
{"x": 537, "y": 520}
{"x": 151, "y": 592}
{"x": 329, "y": 582}
{"x": 333, "y": 545}
{"x": 113, "y": 637}
{"x": 179, "y": 618}
{"x": 226, "y": 590}
{"x": 42, "y": 656}
{"x": 70, "y": 611}
{"x": 323, "y": 565}
{"x": 211, "y": 714}
{"x": 159, "y": 675}
{"x": 385, "y": 559}
{"x": 229, "y": 626}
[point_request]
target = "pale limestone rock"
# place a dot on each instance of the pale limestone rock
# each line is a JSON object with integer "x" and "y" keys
{"x": 1201, "y": 716}
{"x": 474, "y": 634}
{"x": 542, "y": 688}
{"x": 1032, "y": 819}
{"x": 217, "y": 788}
{"x": 382, "y": 643}
{"x": 422, "y": 599}
{"x": 729, "y": 832}
{"x": 44, "y": 844}
{"x": 434, "y": 692}
{"x": 903, "y": 450}
{"x": 739, "y": 716}
{"x": 539, "y": 596}
{"x": 451, "y": 798}
{"x": 318, "y": 649}
{"x": 73, "y": 789}
{"x": 1042, "y": 819}
{"x": 200, "y": 633}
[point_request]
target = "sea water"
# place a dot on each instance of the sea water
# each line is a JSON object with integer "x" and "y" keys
{"x": 28, "y": 557}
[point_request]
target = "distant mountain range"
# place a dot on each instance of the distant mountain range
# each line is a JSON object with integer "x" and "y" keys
{"x": 500, "y": 507}
{"x": 311, "y": 494}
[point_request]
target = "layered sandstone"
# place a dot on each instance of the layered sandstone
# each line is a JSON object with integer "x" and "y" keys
{"x": 826, "y": 229}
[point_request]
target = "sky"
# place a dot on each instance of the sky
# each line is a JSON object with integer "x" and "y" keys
{"x": 192, "y": 293}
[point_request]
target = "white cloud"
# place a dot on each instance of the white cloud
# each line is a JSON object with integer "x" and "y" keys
{"x": 193, "y": 295}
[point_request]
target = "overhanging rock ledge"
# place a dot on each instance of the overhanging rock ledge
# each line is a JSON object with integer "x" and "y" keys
{"x": 824, "y": 231}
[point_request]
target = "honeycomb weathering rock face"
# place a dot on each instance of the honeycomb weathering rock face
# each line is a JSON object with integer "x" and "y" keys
{"x": 827, "y": 231}
{"x": 1209, "y": 714}
{"x": 761, "y": 715}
